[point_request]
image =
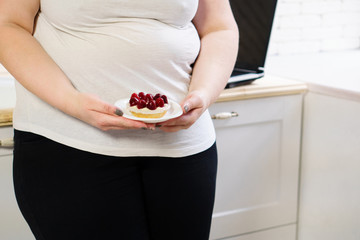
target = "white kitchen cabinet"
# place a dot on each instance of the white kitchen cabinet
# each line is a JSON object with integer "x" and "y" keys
{"x": 12, "y": 224}
{"x": 259, "y": 152}
{"x": 329, "y": 192}
{"x": 330, "y": 169}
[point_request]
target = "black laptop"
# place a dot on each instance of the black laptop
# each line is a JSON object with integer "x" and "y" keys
{"x": 255, "y": 20}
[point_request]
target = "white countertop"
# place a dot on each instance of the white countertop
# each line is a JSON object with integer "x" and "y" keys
{"x": 330, "y": 73}
{"x": 268, "y": 86}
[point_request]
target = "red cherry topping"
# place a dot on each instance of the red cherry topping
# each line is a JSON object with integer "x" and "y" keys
{"x": 141, "y": 104}
{"x": 133, "y": 101}
{"x": 142, "y": 100}
{"x": 141, "y": 95}
{"x": 164, "y": 98}
{"x": 159, "y": 102}
{"x": 157, "y": 96}
{"x": 134, "y": 95}
{"x": 151, "y": 105}
{"x": 149, "y": 97}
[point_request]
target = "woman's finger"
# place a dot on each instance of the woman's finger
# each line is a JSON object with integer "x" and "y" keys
{"x": 192, "y": 102}
{"x": 195, "y": 99}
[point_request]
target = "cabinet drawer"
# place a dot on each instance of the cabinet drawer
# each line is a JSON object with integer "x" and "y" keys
{"x": 250, "y": 111}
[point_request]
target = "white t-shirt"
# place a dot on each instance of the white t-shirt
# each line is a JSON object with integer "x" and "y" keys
{"x": 113, "y": 48}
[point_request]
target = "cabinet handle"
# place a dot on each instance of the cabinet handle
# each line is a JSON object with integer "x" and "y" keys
{"x": 7, "y": 143}
{"x": 224, "y": 115}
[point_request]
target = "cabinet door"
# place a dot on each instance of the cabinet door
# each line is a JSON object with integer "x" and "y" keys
{"x": 12, "y": 224}
{"x": 258, "y": 164}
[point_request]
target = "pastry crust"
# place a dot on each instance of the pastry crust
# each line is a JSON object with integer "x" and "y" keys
{"x": 147, "y": 115}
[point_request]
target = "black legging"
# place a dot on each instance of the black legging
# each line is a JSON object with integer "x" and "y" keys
{"x": 66, "y": 194}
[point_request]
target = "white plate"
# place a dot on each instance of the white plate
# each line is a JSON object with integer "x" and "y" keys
{"x": 174, "y": 111}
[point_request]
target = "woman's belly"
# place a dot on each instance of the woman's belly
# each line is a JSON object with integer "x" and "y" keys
{"x": 129, "y": 55}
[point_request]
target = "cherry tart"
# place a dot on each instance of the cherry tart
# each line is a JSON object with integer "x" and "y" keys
{"x": 147, "y": 105}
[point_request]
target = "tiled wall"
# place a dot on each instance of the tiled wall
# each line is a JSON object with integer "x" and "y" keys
{"x": 310, "y": 26}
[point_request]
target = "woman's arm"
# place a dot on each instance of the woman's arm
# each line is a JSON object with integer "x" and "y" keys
{"x": 219, "y": 36}
{"x": 28, "y": 62}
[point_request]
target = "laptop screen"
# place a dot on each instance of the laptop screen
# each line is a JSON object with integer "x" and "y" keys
{"x": 254, "y": 19}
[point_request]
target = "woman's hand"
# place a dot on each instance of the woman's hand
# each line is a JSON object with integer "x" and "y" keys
{"x": 193, "y": 106}
{"x": 92, "y": 110}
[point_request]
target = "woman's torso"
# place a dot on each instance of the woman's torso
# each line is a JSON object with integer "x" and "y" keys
{"x": 113, "y": 48}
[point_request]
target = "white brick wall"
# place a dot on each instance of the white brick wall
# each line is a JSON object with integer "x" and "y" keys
{"x": 310, "y": 26}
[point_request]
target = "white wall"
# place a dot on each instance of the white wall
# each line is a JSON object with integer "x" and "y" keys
{"x": 311, "y": 26}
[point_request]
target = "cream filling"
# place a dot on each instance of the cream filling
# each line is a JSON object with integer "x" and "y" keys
{"x": 146, "y": 110}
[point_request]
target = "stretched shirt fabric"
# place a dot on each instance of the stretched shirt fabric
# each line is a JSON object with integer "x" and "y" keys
{"x": 112, "y": 48}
